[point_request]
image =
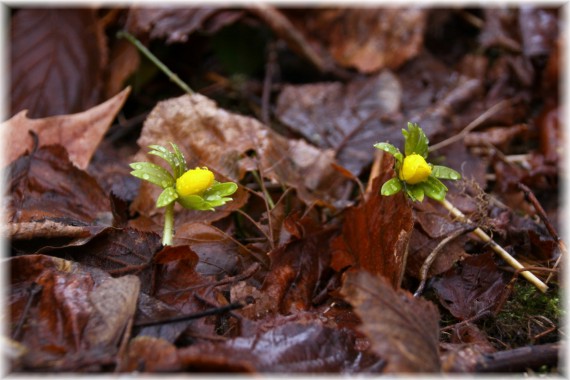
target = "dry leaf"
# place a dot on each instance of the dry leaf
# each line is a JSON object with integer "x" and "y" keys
{"x": 402, "y": 329}
{"x": 222, "y": 141}
{"x": 79, "y": 133}
{"x": 58, "y": 58}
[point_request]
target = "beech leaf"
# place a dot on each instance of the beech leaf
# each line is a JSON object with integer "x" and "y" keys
{"x": 79, "y": 133}
{"x": 58, "y": 60}
{"x": 402, "y": 329}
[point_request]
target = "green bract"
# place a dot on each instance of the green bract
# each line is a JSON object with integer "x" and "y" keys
{"x": 209, "y": 196}
{"x": 428, "y": 175}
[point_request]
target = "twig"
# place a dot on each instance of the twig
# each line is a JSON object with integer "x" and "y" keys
{"x": 266, "y": 94}
{"x": 206, "y": 313}
{"x": 474, "y": 124}
{"x": 295, "y": 39}
{"x": 551, "y": 230}
{"x": 496, "y": 247}
{"x": 519, "y": 359}
{"x": 432, "y": 256}
{"x": 173, "y": 77}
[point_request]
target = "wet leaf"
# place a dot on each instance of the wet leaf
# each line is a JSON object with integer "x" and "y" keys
{"x": 116, "y": 251}
{"x": 46, "y": 185}
{"x": 345, "y": 118}
{"x": 296, "y": 344}
{"x": 216, "y": 250}
{"x": 375, "y": 234}
{"x": 298, "y": 273}
{"x": 473, "y": 287}
{"x": 68, "y": 316}
{"x": 402, "y": 330}
{"x": 368, "y": 39}
{"x": 58, "y": 58}
{"x": 539, "y": 29}
{"x": 80, "y": 133}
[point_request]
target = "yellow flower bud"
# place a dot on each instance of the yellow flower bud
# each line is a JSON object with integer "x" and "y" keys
{"x": 415, "y": 169}
{"x": 194, "y": 182}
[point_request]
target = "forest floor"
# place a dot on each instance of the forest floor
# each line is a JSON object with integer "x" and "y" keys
{"x": 308, "y": 269}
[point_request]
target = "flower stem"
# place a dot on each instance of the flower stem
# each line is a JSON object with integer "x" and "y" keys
{"x": 173, "y": 77}
{"x": 168, "y": 225}
{"x": 496, "y": 247}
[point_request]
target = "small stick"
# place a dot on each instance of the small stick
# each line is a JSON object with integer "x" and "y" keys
{"x": 496, "y": 247}
{"x": 474, "y": 124}
{"x": 206, "y": 313}
{"x": 431, "y": 258}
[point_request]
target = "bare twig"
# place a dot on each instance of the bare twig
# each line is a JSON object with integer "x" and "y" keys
{"x": 474, "y": 124}
{"x": 496, "y": 247}
{"x": 519, "y": 359}
{"x": 295, "y": 39}
{"x": 432, "y": 256}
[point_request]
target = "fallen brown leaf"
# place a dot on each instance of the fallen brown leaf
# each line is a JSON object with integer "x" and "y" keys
{"x": 176, "y": 24}
{"x": 344, "y": 118}
{"x": 58, "y": 59}
{"x": 402, "y": 330}
{"x": 376, "y": 233}
{"x": 46, "y": 185}
{"x": 368, "y": 39}
{"x": 69, "y": 316}
{"x": 210, "y": 136}
{"x": 473, "y": 287}
{"x": 79, "y": 133}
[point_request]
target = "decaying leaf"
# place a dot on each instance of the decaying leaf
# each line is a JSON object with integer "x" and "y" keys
{"x": 46, "y": 185}
{"x": 403, "y": 330}
{"x": 217, "y": 252}
{"x": 210, "y": 136}
{"x": 80, "y": 133}
{"x": 344, "y": 118}
{"x": 473, "y": 287}
{"x": 58, "y": 58}
{"x": 68, "y": 316}
{"x": 176, "y": 24}
{"x": 376, "y": 233}
{"x": 366, "y": 39}
{"x": 295, "y": 344}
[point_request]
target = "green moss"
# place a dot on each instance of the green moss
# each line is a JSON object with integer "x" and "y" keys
{"x": 524, "y": 316}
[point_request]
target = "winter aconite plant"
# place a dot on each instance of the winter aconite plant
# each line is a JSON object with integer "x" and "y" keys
{"x": 195, "y": 189}
{"x": 418, "y": 178}
{"x": 414, "y": 174}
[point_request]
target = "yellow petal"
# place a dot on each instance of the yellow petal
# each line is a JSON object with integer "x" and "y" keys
{"x": 415, "y": 169}
{"x": 194, "y": 182}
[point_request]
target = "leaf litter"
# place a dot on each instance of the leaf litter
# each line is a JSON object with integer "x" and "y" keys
{"x": 309, "y": 269}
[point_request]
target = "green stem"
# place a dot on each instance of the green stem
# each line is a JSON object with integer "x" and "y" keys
{"x": 168, "y": 225}
{"x": 173, "y": 77}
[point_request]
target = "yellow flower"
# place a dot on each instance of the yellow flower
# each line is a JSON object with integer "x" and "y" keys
{"x": 415, "y": 169}
{"x": 194, "y": 182}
